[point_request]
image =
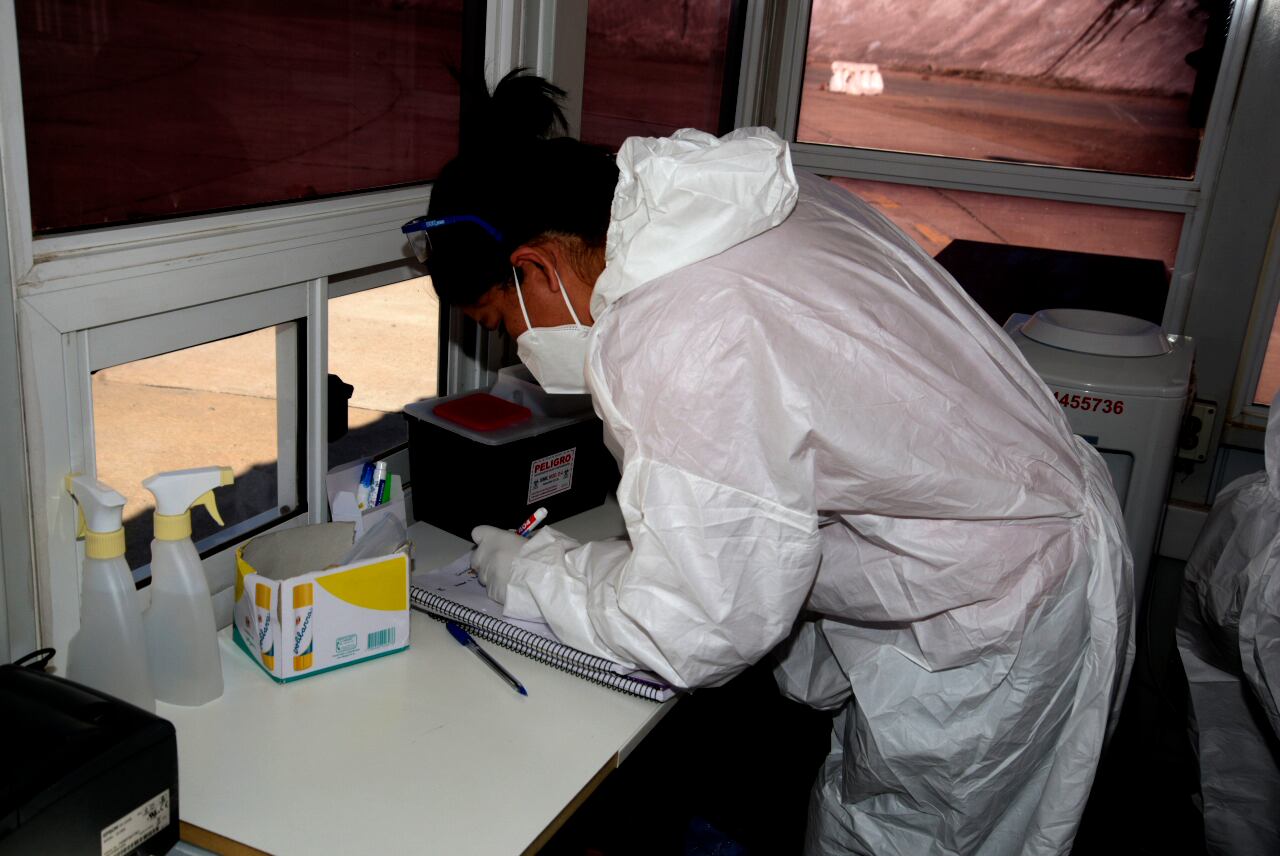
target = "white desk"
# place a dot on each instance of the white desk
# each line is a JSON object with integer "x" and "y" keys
{"x": 423, "y": 751}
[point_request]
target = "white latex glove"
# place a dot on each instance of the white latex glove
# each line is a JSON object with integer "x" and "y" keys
{"x": 495, "y": 552}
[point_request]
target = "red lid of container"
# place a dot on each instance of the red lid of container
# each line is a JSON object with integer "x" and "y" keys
{"x": 482, "y": 412}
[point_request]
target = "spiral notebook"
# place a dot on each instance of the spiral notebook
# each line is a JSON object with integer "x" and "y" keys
{"x": 452, "y": 593}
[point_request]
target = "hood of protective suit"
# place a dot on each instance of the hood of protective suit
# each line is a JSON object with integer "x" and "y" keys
{"x": 733, "y": 187}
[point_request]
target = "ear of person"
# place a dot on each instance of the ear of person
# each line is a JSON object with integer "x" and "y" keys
{"x": 545, "y": 272}
{"x": 538, "y": 266}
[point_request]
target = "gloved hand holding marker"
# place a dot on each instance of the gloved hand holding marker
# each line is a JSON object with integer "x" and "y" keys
{"x": 496, "y": 551}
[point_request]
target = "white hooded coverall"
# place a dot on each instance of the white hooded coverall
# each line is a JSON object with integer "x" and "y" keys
{"x": 1229, "y": 641}
{"x": 814, "y": 422}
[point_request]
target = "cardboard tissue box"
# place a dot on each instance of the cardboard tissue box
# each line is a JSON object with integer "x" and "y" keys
{"x": 295, "y": 616}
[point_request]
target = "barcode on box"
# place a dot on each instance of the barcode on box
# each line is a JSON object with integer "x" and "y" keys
{"x": 381, "y": 638}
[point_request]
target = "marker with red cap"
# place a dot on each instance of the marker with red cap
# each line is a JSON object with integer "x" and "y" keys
{"x": 526, "y": 529}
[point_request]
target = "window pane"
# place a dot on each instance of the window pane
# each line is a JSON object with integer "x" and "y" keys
{"x": 1269, "y": 381}
{"x": 138, "y": 109}
{"x": 1015, "y": 254}
{"x": 1115, "y": 86}
{"x": 384, "y": 343}
{"x": 653, "y": 68}
{"x": 211, "y": 405}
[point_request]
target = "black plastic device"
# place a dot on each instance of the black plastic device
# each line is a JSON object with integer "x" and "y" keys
{"x": 463, "y": 478}
{"x": 84, "y": 772}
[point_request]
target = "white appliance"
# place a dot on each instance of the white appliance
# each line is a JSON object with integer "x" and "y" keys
{"x": 1123, "y": 385}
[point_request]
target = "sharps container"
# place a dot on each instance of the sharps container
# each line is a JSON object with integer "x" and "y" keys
{"x": 475, "y": 458}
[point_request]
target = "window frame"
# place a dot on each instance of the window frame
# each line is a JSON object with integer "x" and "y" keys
{"x": 1073, "y": 185}
{"x": 18, "y": 627}
{"x": 78, "y": 293}
{"x": 1261, "y": 319}
{"x": 89, "y": 297}
{"x": 397, "y": 457}
{"x": 1213, "y": 248}
{"x": 285, "y": 308}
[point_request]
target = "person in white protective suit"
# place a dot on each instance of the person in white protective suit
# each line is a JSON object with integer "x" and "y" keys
{"x": 1229, "y": 640}
{"x": 827, "y": 452}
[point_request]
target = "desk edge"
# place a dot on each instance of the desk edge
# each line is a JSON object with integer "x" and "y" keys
{"x": 573, "y": 805}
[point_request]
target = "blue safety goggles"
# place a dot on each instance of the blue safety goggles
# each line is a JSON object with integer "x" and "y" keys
{"x": 419, "y": 230}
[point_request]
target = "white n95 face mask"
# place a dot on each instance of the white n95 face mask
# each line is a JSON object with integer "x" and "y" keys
{"x": 556, "y": 356}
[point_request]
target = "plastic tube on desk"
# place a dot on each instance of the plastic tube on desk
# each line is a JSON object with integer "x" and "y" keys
{"x": 303, "y": 633}
{"x": 365, "y": 485}
{"x": 379, "y": 478}
{"x": 266, "y": 639}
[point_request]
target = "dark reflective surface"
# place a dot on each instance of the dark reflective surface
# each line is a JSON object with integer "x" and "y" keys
{"x": 143, "y": 109}
{"x": 653, "y": 68}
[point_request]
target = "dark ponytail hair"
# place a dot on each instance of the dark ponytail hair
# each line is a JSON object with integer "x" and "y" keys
{"x": 519, "y": 178}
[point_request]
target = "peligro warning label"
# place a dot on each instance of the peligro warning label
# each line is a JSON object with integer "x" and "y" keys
{"x": 129, "y": 832}
{"x": 551, "y": 475}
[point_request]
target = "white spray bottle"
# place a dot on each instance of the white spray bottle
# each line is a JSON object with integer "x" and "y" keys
{"x": 109, "y": 653}
{"x": 182, "y": 638}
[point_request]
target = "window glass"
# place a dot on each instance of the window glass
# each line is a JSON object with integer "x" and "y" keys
{"x": 1115, "y": 86}
{"x": 1269, "y": 380}
{"x": 137, "y": 109}
{"x": 383, "y": 342}
{"x": 211, "y": 405}
{"x": 1017, "y": 254}
{"x": 653, "y": 68}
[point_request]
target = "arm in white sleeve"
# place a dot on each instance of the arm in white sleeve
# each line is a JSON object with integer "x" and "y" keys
{"x": 712, "y": 579}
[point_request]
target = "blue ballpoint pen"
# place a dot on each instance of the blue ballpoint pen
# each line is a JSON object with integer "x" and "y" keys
{"x": 464, "y": 639}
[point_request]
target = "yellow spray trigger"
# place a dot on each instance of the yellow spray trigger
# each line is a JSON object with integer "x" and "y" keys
{"x": 206, "y": 499}
{"x": 178, "y": 491}
{"x": 81, "y": 527}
